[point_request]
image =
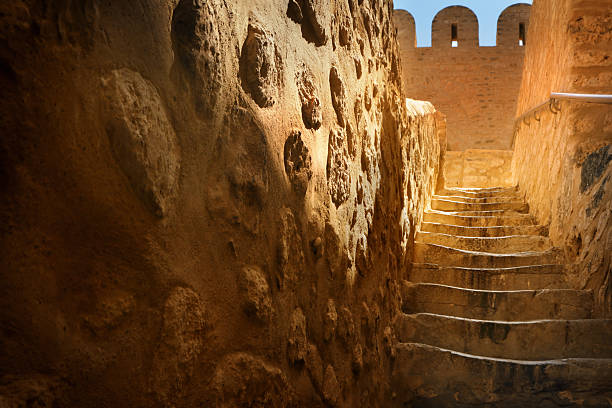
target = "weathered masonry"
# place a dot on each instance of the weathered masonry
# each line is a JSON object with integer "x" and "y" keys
{"x": 475, "y": 87}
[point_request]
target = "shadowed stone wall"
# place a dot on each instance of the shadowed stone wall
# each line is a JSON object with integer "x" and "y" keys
{"x": 205, "y": 203}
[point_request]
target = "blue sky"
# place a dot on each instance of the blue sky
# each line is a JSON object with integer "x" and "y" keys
{"x": 425, "y": 10}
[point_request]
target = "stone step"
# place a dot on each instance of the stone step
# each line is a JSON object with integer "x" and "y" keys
{"x": 515, "y": 305}
{"x": 482, "y": 193}
{"x": 451, "y": 205}
{"x": 466, "y": 220}
{"x": 443, "y": 255}
{"x": 485, "y": 189}
{"x": 506, "y": 245}
{"x": 529, "y": 340}
{"x": 478, "y": 200}
{"x": 494, "y": 231}
{"x": 427, "y": 376}
{"x": 516, "y": 278}
{"x": 485, "y": 213}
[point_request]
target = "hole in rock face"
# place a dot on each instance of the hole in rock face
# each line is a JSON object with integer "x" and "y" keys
{"x": 574, "y": 246}
{"x": 594, "y": 166}
{"x": 578, "y": 245}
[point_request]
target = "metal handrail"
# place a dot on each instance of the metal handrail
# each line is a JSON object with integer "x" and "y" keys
{"x": 554, "y": 105}
{"x": 558, "y": 96}
{"x": 589, "y": 98}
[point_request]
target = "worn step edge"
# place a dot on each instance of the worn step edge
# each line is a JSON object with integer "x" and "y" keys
{"x": 436, "y": 377}
{"x": 482, "y": 189}
{"x": 451, "y": 256}
{"x": 531, "y": 277}
{"x": 526, "y": 340}
{"x": 478, "y": 221}
{"x": 481, "y": 213}
{"x": 503, "y": 244}
{"x": 448, "y": 199}
{"x": 484, "y": 231}
{"x": 477, "y": 200}
{"x": 508, "y": 305}
{"x": 480, "y": 193}
{"x": 451, "y": 205}
{"x": 516, "y": 269}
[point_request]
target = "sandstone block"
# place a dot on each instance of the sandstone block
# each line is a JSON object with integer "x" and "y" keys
{"x": 142, "y": 139}
{"x": 311, "y": 105}
{"x": 345, "y": 28}
{"x": 256, "y": 299}
{"x": 197, "y": 28}
{"x": 260, "y": 66}
{"x": 314, "y": 365}
{"x": 297, "y": 346}
{"x": 330, "y": 321}
{"x": 182, "y": 341}
{"x": 245, "y": 380}
{"x": 338, "y": 93}
{"x": 318, "y": 18}
{"x": 358, "y": 67}
{"x": 338, "y": 172}
{"x": 331, "y": 387}
{"x": 335, "y": 251}
{"x": 346, "y": 325}
{"x": 110, "y": 311}
{"x": 290, "y": 251}
{"x": 33, "y": 390}
{"x": 298, "y": 164}
{"x": 357, "y": 359}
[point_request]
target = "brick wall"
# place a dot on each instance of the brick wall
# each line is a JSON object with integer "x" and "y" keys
{"x": 475, "y": 87}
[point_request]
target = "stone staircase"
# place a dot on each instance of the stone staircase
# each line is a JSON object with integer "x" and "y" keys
{"x": 488, "y": 319}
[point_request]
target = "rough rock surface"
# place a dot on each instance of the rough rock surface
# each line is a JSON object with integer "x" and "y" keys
{"x": 570, "y": 143}
{"x": 298, "y": 163}
{"x": 338, "y": 172}
{"x": 260, "y": 65}
{"x": 266, "y": 385}
{"x": 311, "y": 104}
{"x": 338, "y": 94}
{"x": 193, "y": 214}
{"x": 197, "y": 40}
{"x": 256, "y": 301}
{"x": 182, "y": 340}
{"x": 142, "y": 139}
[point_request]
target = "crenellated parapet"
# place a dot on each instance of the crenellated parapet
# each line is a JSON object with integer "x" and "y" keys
{"x": 457, "y": 26}
{"x": 475, "y": 87}
{"x": 406, "y": 28}
{"x": 512, "y": 26}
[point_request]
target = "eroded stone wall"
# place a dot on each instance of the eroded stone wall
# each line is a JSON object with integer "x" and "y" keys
{"x": 205, "y": 203}
{"x": 475, "y": 87}
{"x": 562, "y": 159}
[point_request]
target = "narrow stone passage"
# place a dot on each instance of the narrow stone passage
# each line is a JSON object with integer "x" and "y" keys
{"x": 488, "y": 318}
